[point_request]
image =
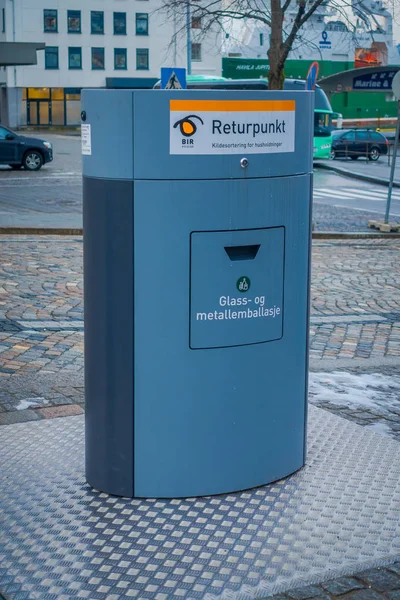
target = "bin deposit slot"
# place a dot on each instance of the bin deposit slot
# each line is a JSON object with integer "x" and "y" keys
{"x": 242, "y": 252}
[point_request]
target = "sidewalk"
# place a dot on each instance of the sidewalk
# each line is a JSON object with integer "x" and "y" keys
{"x": 41, "y": 131}
{"x": 367, "y": 170}
{"x": 309, "y": 536}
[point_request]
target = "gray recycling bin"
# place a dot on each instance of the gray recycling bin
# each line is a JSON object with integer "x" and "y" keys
{"x": 196, "y": 271}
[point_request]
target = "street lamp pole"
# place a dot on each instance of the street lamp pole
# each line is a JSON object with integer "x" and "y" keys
{"x": 393, "y": 165}
{"x": 189, "y": 41}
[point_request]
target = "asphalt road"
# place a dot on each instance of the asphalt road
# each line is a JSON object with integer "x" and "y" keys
{"x": 343, "y": 192}
{"x": 52, "y": 197}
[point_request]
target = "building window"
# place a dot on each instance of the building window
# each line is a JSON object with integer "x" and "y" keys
{"x": 142, "y": 59}
{"x": 97, "y": 21}
{"x": 74, "y": 21}
{"x": 142, "y": 24}
{"x": 97, "y": 58}
{"x": 50, "y": 21}
{"x": 196, "y": 51}
{"x": 3, "y": 14}
{"x": 261, "y": 39}
{"x": 74, "y": 58}
{"x": 38, "y": 94}
{"x": 51, "y": 57}
{"x": 119, "y": 23}
{"x": 196, "y": 22}
{"x": 120, "y": 61}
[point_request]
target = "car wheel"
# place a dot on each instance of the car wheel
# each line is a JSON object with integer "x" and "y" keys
{"x": 33, "y": 160}
{"x": 15, "y": 167}
{"x": 332, "y": 155}
{"x": 374, "y": 154}
{"x": 354, "y": 157}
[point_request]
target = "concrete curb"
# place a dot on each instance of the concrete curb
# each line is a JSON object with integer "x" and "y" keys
{"x": 355, "y": 175}
{"x": 317, "y": 235}
{"x": 352, "y": 235}
{"x": 40, "y": 231}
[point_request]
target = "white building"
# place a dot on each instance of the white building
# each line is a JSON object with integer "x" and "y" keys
{"x": 90, "y": 44}
{"x": 362, "y": 30}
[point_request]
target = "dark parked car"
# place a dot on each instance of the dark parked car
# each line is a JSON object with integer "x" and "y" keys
{"x": 20, "y": 151}
{"x": 358, "y": 142}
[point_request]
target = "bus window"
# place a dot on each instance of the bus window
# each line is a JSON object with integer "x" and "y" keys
{"x": 322, "y": 124}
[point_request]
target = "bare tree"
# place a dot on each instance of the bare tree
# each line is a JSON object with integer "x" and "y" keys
{"x": 271, "y": 13}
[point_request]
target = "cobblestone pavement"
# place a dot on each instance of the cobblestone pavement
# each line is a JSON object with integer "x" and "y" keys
{"x": 355, "y": 302}
{"x": 355, "y": 317}
{"x": 374, "y": 584}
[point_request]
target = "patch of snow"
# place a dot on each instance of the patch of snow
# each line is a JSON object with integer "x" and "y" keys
{"x": 381, "y": 428}
{"x": 29, "y": 402}
{"x": 371, "y": 391}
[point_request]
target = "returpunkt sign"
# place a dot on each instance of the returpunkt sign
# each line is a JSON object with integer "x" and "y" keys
{"x": 232, "y": 126}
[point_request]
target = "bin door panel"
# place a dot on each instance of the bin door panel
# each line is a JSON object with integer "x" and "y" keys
{"x": 218, "y": 409}
{"x": 236, "y": 287}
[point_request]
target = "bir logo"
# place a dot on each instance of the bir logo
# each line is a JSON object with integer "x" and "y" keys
{"x": 188, "y": 128}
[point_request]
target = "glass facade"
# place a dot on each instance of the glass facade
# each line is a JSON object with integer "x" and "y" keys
{"x": 74, "y": 58}
{"x": 51, "y": 57}
{"x": 97, "y": 21}
{"x": 142, "y": 59}
{"x": 74, "y": 21}
{"x": 97, "y": 58}
{"x": 50, "y": 20}
{"x": 142, "y": 24}
{"x": 120, "y": 59}
{"x": 51, "y": 106}
{"x": 119, "y": 23}
{"x": 57, "y": 112}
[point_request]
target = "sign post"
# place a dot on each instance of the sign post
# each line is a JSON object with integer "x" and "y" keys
{"x": 396, "y": 92}
{"x": 312, "y": 76}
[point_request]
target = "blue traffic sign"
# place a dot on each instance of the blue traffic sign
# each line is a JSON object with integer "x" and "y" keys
{"x": 173, "y": 78}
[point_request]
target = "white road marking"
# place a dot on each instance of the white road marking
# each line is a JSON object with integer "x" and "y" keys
{"x": 360, "y": 193}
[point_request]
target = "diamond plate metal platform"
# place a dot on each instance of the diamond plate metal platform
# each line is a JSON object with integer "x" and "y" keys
{"x": 60, "y": 540}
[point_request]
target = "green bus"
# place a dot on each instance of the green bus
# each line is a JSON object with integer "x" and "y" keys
{"x": 323, "y": 112}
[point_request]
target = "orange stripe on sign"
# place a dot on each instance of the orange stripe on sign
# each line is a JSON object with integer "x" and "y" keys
{"x": 231, "y": 105}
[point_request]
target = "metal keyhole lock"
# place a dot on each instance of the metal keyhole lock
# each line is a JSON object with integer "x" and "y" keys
{"x": 244, "y": 163}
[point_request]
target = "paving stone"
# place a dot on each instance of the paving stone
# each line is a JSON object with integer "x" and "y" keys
{"x": 366, "y": 594}
{"x": 381, "y": 580}
{"x": 343, "y": 585}
{"x": 395, "y": 568}
{"x": 18, "y": 416}
{"x": 310, "y": 591}
{"x": 394, "y": 595}
{"x": 66, "y": 410}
